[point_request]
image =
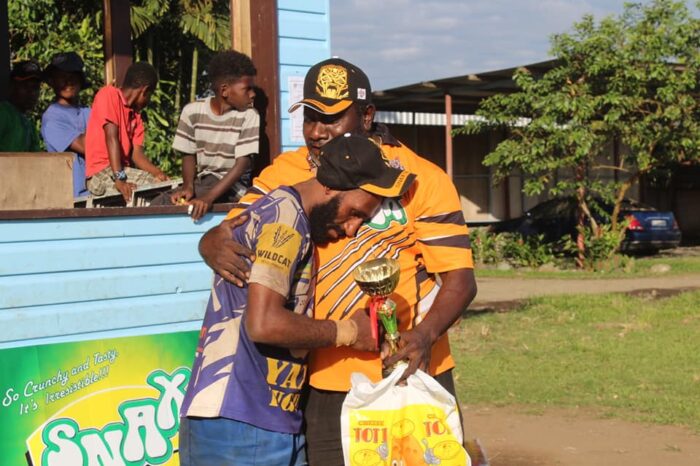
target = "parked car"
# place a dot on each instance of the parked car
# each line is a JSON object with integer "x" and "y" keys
{"x": 649, "y": 229}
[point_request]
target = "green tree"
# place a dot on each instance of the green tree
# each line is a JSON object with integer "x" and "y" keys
{"x": 39, "y": 29}
{"x": 205, "y": 22}
{"x": 630, "y": 80}
{"x": 208, "y": 24}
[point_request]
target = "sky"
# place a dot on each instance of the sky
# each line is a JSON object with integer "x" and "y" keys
{"x": 399, "y": 42}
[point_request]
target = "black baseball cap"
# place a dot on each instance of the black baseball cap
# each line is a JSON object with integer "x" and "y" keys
{"x": 25, "y": 70}
{"x": 69, "y": 62}
{"x": 333, "y": 85}
{"x": 352, "y": 162}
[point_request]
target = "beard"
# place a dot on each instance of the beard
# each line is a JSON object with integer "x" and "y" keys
{"x": 321, "y": 220}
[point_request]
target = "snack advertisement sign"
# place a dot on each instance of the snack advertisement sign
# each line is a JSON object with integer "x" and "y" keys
{"x": 101, "y": 402}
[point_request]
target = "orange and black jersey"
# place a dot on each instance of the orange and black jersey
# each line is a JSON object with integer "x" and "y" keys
{"x": 424, "y": 230}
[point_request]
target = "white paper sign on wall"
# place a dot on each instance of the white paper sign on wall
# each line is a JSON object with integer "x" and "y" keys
{"x": 295, "y": 85}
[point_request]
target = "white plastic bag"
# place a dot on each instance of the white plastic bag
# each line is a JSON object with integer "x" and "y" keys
{"x": 385, "y": 424}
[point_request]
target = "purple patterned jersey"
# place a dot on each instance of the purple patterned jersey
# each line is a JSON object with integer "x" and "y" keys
{"x": 232, "y": 376}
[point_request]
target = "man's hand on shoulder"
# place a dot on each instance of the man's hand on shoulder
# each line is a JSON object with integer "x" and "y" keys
{"x": 224, "y": 255}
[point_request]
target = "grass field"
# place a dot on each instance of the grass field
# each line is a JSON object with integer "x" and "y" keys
{"x": 640, "y": 267}
{"x": 621, "y": 356}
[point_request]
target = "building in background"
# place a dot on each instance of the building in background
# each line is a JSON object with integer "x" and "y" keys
{"x": 422, "y": 115}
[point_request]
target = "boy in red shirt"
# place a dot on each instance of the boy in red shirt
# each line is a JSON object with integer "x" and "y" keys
{"x": 115, "y": 135}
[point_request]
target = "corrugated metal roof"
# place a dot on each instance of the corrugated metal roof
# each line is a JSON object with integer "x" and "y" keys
{"x": 466, "y": 91}
{"x": 429, "y": 119}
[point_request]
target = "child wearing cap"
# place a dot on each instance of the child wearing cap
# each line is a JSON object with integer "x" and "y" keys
{"x": 17, "y": 131}
{"x": 64, "y": 122}
{"x": 218, "y": 137}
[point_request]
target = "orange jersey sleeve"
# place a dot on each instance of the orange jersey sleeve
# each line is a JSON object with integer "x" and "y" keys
{"x": 286, "y": 169}
{"x": 441, "y": 232}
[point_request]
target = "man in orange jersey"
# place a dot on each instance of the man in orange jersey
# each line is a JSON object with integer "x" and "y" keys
{"x": 424, "y": 230}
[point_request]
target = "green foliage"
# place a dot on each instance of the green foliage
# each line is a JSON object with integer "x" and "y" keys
{"x": 207, "y": 21}
{"x": 494, "y": 248}
{"x": 527, "y": 252}
{"x": 146, "y": 15}
{"x": 161, "y": 129}
{"x": 164, "y": 32}
{"x": 40, "y": 29}
{"x": 487, "y": 248}
{"x": 630, "y": 80}
{"x": 601, "y": 246}
{"x": 192, "y": 30}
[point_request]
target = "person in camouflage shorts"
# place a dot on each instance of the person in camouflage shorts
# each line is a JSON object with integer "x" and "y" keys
{"x": 114, "y": 157}
{"x": 102, "y": 184}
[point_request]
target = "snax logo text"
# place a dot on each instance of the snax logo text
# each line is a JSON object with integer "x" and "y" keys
{"x": 142, "y": 435}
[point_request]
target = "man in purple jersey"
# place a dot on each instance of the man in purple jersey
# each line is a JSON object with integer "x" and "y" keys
{"x": 242, "y": 402}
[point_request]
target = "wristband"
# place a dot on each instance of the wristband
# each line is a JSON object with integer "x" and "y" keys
{"x": 118, "y": 176}
{"x": 346, "y": 332}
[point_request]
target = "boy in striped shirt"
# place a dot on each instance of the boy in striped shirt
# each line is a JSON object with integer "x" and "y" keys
{"x": 218, "y": 137}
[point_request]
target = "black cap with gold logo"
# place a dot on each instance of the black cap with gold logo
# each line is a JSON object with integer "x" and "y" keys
{"x": 356, "y": 162}
{"x": 333, "y": 85}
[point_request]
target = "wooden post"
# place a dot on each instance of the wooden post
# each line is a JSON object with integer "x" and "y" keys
{"x": 4, "y": 50}
{"x": 117, "y": 40}
{"x": 240, "y": 26}
{"x": 448, "y": 134}
{"x": 493, "y": 143}
{"x": 254, "y": 32}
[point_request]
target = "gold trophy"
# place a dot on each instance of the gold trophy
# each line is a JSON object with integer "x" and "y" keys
{"x": 378, "y": 278}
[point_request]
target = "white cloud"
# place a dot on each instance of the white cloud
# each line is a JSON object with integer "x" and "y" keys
{"x": 400, "y": 42}
{"x": 400, "y": 53}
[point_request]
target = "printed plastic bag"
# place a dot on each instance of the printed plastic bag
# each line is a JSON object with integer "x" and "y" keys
{"x": 385, "y": 424}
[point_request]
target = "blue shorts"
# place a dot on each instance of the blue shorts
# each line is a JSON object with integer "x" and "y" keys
{"x": 225, "y": 442}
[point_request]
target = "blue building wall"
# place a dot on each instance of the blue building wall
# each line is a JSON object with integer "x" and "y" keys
{"x": 88, "y": 278}
{"x": 75, "y": 279}
{"x": 305, "y": 39}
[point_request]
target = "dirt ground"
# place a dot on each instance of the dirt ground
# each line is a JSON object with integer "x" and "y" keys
{"x": 511, "y": 437}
